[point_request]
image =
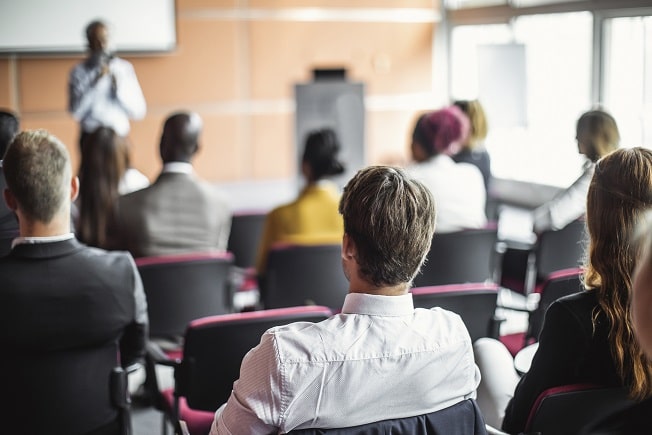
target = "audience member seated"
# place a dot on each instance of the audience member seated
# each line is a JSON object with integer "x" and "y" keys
{"x": 473, "y": 150}
{"x": 9, "y": 126}
{"x": 58, "y": 295}
{"x": 380, "y": 358}
{"x": 597, "y": 135}
{"x": 104, "y": 174}
{"x": 586, "y": 337}
{"x": 312, "y": 218}
{"x": 178, "y": 213}
{"x": 458, "y": 188}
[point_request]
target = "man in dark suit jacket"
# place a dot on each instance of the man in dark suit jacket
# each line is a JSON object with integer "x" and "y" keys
{"x": 9, "y": 126}
{"x": 178, "y": 213}
{"x": 69, "y": 313}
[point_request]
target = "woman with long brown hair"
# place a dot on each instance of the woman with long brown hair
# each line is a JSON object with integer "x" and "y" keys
{"x": 104, "y": 174}
{"x": 587, "y": 337}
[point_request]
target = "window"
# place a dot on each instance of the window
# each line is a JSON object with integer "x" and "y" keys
{"x": 557, "y": 79}
{"x": 627, "y": 84}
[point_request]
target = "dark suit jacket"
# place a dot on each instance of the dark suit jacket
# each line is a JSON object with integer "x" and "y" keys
{"x": 64, "y": 310}
{"x": 570, "y": 352}
{"x": 8, "y": 221}
{"x": 178, "y": 213}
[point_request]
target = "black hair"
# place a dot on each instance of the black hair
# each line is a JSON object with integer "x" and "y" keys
{"x": 9, "y": 126}
{"x": 320, "y": 152}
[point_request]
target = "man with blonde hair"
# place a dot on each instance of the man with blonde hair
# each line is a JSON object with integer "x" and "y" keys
{"x": 80, "y": 309}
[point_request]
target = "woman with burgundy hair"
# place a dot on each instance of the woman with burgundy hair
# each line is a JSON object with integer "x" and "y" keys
{"x": 458, "y": 188}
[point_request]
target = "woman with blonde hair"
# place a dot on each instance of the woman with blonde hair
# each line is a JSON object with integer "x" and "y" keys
{"x": 473, "y": 150}
{"x": 587, "y": 337}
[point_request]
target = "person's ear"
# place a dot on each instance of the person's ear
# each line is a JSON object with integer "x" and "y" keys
{"x": 10, "y": 200}
{"x": 74, "y": 188}
{"x": 349, "y": 250}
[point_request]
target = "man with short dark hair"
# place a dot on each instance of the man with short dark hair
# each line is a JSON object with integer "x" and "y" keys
{"x": 178, "y": 213}
{"x": 60, "y": 300}
{"x": 103, "y": 90}
{"x": 380, "y": 358}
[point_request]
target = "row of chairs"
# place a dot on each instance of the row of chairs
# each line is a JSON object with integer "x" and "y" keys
{"x": 462, "y": 256}
{"x": 213, "y": 349}
{"x": 475, "y": 301}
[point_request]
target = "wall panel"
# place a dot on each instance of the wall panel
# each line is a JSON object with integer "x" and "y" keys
{"x": 236, "y": 63}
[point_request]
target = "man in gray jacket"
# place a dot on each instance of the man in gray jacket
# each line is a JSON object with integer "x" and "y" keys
{"x": 178, "y": 213}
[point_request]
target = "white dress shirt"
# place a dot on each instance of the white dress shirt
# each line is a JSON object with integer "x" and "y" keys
{"x": 458, "y": 189}
{"x": 379, "y": 359}
{"x": 99, "y": 104}
{"x": 567, "y": 206}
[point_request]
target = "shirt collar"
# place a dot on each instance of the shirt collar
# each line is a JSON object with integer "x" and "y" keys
{"x": 33, "y": 240}
{"x": 178, "y": 168}
{"x": 377, "y": 305}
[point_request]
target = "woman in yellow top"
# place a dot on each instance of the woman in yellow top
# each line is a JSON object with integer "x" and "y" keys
{"x": 313, "y": 217}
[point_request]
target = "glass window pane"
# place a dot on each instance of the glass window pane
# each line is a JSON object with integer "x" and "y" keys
{"x": 628, "y": 77}
{"x": 558, "y": 88}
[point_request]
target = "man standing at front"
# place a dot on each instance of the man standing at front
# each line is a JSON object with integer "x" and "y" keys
{"x": 380, "y": 358}
{"x": 103, "y": 90}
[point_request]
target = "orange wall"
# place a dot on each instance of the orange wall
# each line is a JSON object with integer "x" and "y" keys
{"x": 237, "y": 65}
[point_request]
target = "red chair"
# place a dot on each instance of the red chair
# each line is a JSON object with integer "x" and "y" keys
{"x": 555, "y": 250}
{"x": 244, "y": 237}
{"x": 304, "y": 275}
{"x": 459, "y": 257}
{"x": 569, "y": 409}
{"x": 474, "y": 302}
{"x": 212, "y": 353}
{"x": 558, "y": 284}
{"x": 181, "y": 288}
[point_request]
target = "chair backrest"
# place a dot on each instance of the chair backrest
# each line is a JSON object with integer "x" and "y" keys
{"x": 474, "y": 302}
{"x": 214, "y": 347}
{"x": 74, "y": 391}
{"x": 244, "y": 238}
{"x": 460, "y": 256}
{"x": 556, "y": 250}
{"x": 463, "y": 418}
{"x": 556, "y": 285}
{"x": 567, "y": 409}
{"x": 304, "y": 275}
{"x": 181, "y": 288}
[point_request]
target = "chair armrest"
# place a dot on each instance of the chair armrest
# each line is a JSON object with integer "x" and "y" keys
{"x": 155, "y": 354}
{"x": 496, "y": 321}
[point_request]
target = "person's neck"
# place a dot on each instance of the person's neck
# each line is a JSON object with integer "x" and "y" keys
{"x": 361, "y": 286}
{"x": 58, "y": 226}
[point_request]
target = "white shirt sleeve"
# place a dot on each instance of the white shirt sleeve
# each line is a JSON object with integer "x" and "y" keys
{"x": 129, "y": 93}
{"x": 566, "y": 207}
{"x": 255, "y": 404}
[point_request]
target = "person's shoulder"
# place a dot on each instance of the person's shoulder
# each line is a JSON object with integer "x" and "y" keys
{"x": 438, "y": 323}
{"x": 578, "y": 304}
{"x": 105, "y": 256}
{"x": 122, "y": 63}
{"x": 135, "y": 196}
